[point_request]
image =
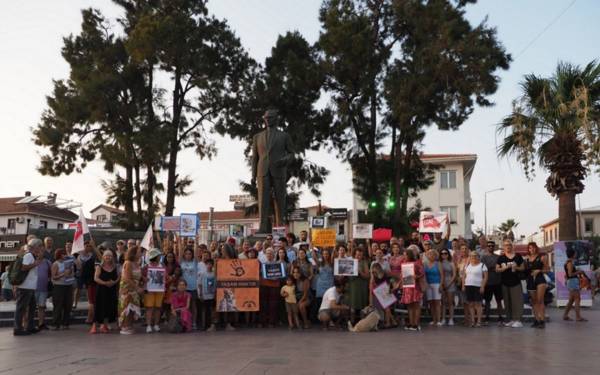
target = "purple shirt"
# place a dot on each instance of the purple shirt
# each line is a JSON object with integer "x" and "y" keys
{"x": 42, "y": 282}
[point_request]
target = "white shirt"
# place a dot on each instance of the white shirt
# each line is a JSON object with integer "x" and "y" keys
{"x": 474, "y": 274}
{"x": 31, "y": 279}
{"x": 330, "y": 296}
{"x": 262, "y": 257}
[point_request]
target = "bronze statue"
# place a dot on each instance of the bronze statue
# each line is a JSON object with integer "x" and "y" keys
{"x": 272, "y": 151}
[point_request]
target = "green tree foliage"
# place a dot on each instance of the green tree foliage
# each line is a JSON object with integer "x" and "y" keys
{"x": 556, "y": 121}
{"x": 395, "y": 68}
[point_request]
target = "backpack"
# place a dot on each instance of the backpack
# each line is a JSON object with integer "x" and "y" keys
{"x": 17, "y": 275}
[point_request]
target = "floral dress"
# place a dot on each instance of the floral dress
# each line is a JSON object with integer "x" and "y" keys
{"x": 130, "y": 300}
{"x": 414, "y": 295}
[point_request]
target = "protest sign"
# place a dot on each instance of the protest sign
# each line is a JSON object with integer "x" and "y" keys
{"x": 278, "y": 232}
{"x": 317, "y": 222}
{"x": 156, "y": 279}
{"x": 362, "y": 231}
{"x": 273, "y": 271}
{"x": 237, "y": 285}
{"x": 323, "y": 237}
{"x": 170, "y": 223}
{"x": 408, "y": 275}
{"x": 189, "y": 225}
{"x": 433, "y": 222}
{"x": 345, "y": 267}
{"x": 383, "y": 295}
{"x": 236, "y": 230}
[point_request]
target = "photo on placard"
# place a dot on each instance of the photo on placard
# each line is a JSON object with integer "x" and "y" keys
{"x": 189, "y": 225}
{"x": 345, "y": 267}
{"x": 156, "y": 279}
{"x": 408, "y": 275}
{"x": 317, "y": 222}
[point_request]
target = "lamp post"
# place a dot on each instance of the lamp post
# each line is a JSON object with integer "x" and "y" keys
{"x": 485, "y": 208}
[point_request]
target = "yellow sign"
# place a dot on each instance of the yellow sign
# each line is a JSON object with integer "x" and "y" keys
{"x": 323, "y": 237}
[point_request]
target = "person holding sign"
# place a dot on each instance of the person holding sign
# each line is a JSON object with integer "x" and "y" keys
{"x": 154, "y": 278}
{"x": 412, "y": 272}
{"x": 378, "y": 278}
{"x": 358, "y": 286}
{"x": 269, "y": 290}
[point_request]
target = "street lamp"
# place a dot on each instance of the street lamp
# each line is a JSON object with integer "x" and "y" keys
{"x": 485, "y": 208}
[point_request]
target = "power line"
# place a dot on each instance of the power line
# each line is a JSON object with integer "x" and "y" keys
{"x": 545, "y": 29}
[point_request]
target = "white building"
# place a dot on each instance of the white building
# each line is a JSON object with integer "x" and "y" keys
{"x": 449, "y": 193}
{"x": 18, "y": 212}
{"x": 106, "y": 216}
{"x": 588, "y": 225}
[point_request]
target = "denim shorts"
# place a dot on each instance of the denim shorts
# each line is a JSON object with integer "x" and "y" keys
{"x": 573, "y": 283}
{"x": 40, "y": 298}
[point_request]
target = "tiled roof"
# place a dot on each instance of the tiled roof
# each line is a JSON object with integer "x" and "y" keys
{"x": 109, "y": 209}
{"x": 438, "y": 156}
{"x": 9, "y": 206}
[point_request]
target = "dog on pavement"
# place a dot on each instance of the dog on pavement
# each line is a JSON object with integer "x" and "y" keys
{"x": 368, "y": 323}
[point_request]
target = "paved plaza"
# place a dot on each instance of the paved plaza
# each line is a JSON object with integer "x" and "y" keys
{"x": 562, "y": 348}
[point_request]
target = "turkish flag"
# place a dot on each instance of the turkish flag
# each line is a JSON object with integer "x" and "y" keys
{"x": 80, "y": 230}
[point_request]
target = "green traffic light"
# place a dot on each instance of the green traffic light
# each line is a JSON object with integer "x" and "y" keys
{"x": 391, "y": 204}
{"x": 373, "y": 204}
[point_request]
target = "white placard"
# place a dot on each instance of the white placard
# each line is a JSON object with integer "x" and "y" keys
{"x": 385, "y": 298}
{"x": 156, "y": 279}
{"x": 362, "y": 231}
{"x": 408, "y": 275}
{"x": 433, "y": 222}
{"x": 345, "y": 267}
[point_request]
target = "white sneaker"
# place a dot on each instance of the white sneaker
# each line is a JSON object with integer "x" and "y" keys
{"x": 517, "y": 324}
{"x": 212, "y": 328}
{"x": 156, "y": 328}
{"x": 431, "y": 323}
{"x": 439, "y": 324}
{"x": 125, "y": 332}
{"x": 148, "y": 329}
{"x": 450, "y": 322}
{"x": 229, "y": 327}
{"x": 509, "y": 324}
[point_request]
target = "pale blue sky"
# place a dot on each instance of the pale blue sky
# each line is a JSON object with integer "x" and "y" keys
{"x": 31, "y": 37}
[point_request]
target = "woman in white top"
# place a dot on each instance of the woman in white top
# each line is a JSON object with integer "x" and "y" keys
{"x": 474, "y": 280}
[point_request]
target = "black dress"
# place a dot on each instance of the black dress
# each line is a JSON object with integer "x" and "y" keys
{"x": 106, "y": 298}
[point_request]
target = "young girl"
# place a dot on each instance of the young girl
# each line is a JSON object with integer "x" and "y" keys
{"x": 180, "y": 303}
{"x": 288, "y": 292}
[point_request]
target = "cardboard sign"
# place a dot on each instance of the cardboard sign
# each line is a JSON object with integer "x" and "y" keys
{"x": 170, "y": 223}
{"x": 383, "y": 295}
{"x": 362, "y": 231}
{"x": 278, "y": 232}
{"x": 323, "y": 237}
{"x": 156, "y": 279}
{"x": 433, "y": 222}
{"x": 189, "y": 225}
{"x": 345, "y": 267}
{"x": 237, "y": 285}
{"x": 273, "y": 271}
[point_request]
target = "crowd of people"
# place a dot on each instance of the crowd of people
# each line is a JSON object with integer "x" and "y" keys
{"x": 447, "y": 274}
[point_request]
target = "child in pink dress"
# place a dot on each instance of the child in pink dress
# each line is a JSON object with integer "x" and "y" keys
{"x": 180, "y": 302}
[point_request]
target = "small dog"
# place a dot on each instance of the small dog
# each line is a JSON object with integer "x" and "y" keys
{"x": 368, "y": 323}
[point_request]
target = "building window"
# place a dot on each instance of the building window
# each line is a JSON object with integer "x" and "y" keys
{"x": 60, "y": 226}
{"x": 452, "y": 213}
{"x": 545, "y": 237}
{"x": 589, "y": 225}
{"x": 448, "y": 179}
{"x": 556, "y": 234}
{"x": 101, "y": 218}
{"x": 12, "y": 224}
{"x": 43, "y": 224}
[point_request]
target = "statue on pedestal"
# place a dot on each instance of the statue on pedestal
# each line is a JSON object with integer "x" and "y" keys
{"x": 272, "y": 151}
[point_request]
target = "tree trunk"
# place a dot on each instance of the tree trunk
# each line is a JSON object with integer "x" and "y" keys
{"x": 150, "y": 183}
{"x": 403, "y": 170}
{"x": 567, "y": 216}
{"x": 174, "y": 146}
{"x": 138, "y": 197}
{"x": 128, "y": 199}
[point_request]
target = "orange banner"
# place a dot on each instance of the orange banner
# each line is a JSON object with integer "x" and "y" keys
{"x": 237, "y": 285}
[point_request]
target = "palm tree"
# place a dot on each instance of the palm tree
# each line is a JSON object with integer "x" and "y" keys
{"x": 557, "y": 120}
{"x": 507, "y": 229}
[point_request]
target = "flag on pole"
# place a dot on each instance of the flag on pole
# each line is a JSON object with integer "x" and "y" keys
{"x": 147, "y": 240}
{"x": 80, "y": 230}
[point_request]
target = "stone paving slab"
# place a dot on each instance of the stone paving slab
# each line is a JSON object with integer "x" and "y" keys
{"x": 562, "y": 348}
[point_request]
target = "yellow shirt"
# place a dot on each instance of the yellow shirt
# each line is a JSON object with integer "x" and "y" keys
{"x": 291, "y": 293}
